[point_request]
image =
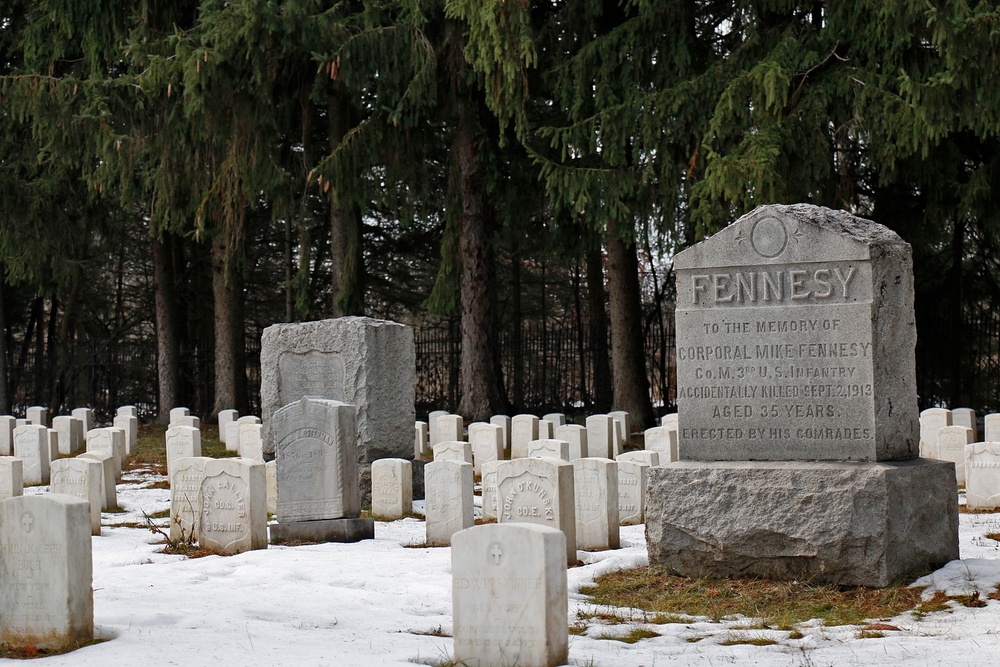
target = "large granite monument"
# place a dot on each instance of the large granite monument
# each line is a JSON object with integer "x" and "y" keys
{"x": 797, "y": 408}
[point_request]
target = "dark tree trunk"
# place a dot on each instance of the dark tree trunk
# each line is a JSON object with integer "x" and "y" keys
{"x": 167, "y": 331}
{"x": 4, "y": 390}
{"x": 628, "y": 358}
{"x": 230, "y": 349}
{"x": 348, "y": 270}
{"x": 39, "y": 375}
{"x": 602, "y": 391}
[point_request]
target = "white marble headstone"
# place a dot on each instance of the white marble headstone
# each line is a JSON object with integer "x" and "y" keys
{"x": 600, "y": 436}
{"x": 11, "y": 477}
{"x": 448, "y": 502}
{"x": 453, "y": 450}
{"x": 596, "y": 487}
{"x": 392, "y": 488}
{"x": 982, "y": 475}
{"x": 556, "y": 449}
{"x": 533, "y": 490}
{"x": 182, "y": 442}
{"x": 523, "y": 429}
{"x": 576, "y": 436}
{"x": 233, "y": 506}
{"x": 81, "y": 478}
{"x": 31, "y": 445}
{"x": 487, "y": 444}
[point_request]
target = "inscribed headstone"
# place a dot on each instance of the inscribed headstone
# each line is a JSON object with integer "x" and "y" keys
{"x": 80, "y": 478}
{"x": 489, "y": 489}
{"x": 226, "y": 417}
{"x": 991, "y": 427}
{"x": 186, "y": 476}
{"x": 37, "y": 415}
{"x": 624, "y": 422}
{"x": 432, "y": 424}
{"x": 642, "y": 456}
{"x": 110, "y": 491}
{"x": 576, "y": 436}
{"x": 252, "y": 441}
{"x": 233, "y": 506}
{"x": 31, "y": 445}
{"x": 523, "y": 429}
{"x": 454, "y": 450}
{"x": 110, "y": 440}
{"x": 392, "y": 488}
{"x": 450, "y": 428}
{"x": 70, "y": 434}
{"x": 965, "y": 417}
{"x": 448, "y": 503}
{"x": 982, "y": 475}
{"x": 663, "y": 441}
{"x": 951, "y": 447}
{"x": 932, "y": 420}
{"x": 596, "y": 487}
{"x": 632, "y": 480}
{"x": 546, "y": 429}
{"x": 532, "y": 490}
{"x": 182, "y": 442}
{"x": 557, "y": 449}
{"x": 600, "y": 436}
{"x": 487, "y": 444}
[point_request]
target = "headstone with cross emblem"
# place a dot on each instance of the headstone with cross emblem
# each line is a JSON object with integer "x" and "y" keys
{"x": 509, "y": 596}
{"x": 46, "y": 599}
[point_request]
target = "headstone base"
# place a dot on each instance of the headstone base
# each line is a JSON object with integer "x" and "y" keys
{"x": 849, "y": 524}
{"x": 323, "y": 530}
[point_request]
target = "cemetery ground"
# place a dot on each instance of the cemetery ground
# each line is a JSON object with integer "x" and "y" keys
{"x": 388, "y": 601}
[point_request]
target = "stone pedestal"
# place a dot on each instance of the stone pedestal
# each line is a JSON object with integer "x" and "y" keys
{"x": 323, "y": 530}
{"x": 849, "y": 524}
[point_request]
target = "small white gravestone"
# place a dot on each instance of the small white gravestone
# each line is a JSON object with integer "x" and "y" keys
{"x": 109, "y": 490}
{"x": 37, "y": 415}
{"x": 503, "y": 421}
{"x": 53, "y": 436}
{"x": 632, "y": 479}
{"x": 233, "y": 437}
{"x": 576, "y": 436}
{"x": 670, "y": 420}
{"x": 557, "y": 418}
{"x": 450, "y": 428}
{"x": 80, "y": 478}
{"x": 489, "y": 489}
{"x": 252, "y": 442}
{"x": 932, "y": 420}
{"x": 982, "y": 475}
{"x": 11, "y": 477}
{"x": 538, "y": 491}
{"x": 600, "y": 436}
{"x": 951, "y": 445}
{"x": 523, "y": 429}
{"x": 991, "y": 427}
{"x": 182, "y": 442}
{"x": 46, "y": 599}
{"x": 509, "y": 596}
{"x": 248, "y": 419}
{"x": 624, "y": 422}
{"x": 448, "y": 504}
{"x": 85, "y": 415}
{"x": 487, "y": 444}
{"x": 455, "y": 450}
{"x": 177, "y": 413}
{"x": 130, "y": 425}
{"x": 31, "y": 445}
{"x": 271, "y": 472}
{"x": 965, "y": 417}
{"x": 432, "y": 422}
{"x": 7, "y": 425}
{"x": 186, "y": 476}
{"x": 421, "y": 440}
{"x": 546, "y": 429}
{"x": 392, "y": 488}
{"x": 642, "y": 456}
{"x": 556, "y": 449}
{"x": 70, "y": 434}
{"x": 186, "y": 420}
{"x": 105, "y": 440}
{"x": 21, "y": 422}
{"x": 127, "y": 411}
{"x": 226, "y": 417}
{"x": 596, "y": 489}
{"x": 663, "y": 441}
{"x": 233, "y": 506}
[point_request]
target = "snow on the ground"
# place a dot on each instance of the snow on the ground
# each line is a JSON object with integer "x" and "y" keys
{"x": 386, "y": 602}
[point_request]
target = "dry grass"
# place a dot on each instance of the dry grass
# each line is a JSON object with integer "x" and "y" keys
{"x": 151, "y": 449}
{"x": 778, "y": 604}
{"x": 29, "y": 651}
{"x": 636, "y": 635}
{"x": 752, "y": 641}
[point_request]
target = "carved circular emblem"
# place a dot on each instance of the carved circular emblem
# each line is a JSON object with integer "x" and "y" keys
{"x": 495, "y": 553}
{"x": 769, "y": 237}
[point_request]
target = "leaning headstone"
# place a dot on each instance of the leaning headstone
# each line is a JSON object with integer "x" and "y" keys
{"x": 11, "y": 477}
{"x": 7, "y": 425}
{"x": 576, "y": 436}
{"x": 186, "y": 476}
{"x": 226, "y": 417}
{"x": 991, "y": 427}
{"x": 37, "y": 415}
{"x": 487, "y": 444}
{"x": 80, "y": 478}
{"x": 450, "y": 428}
{"x": 489, "y": 489}
{"x": 642, "y": 456}
{"x": 367, "y": 363}
{"x": 965, "y": 417}
{"x": 596, "y": 488}
{"x": 556, "y": 449}
{"x": 932, "y": 420}
{"x": 130, "y": 425}
{"x": 233, "y": 504}
{"x": 392, "y": 488}
{"x": 448, "y": 504}
{"x": 541, "y": 491}
{"x": 107, "y": 440}
{"x": 601, "y": 436}
{"x": 85, "y": 415}
{"x": 316, "y": 454}
{"x": 951, "y": 447}
{"x": 110, "y": 491}
{"x": 182, "y": 442}
{"x": 31, "y": 445}
{"x": 509, "y": 596}
{"x": 982, "y": 476}
{"x": 633, "y": 477}
{"x": 663, "y": 441}
{"x": 455, "y": 450}
{"x": 47, "y": 599}
{"x": 70, "y": 434}
{"x": 624, "y": 422}
{"x": 523, "y": 429}
{"x": 798, "y": 409}
{"x": 421, "y": 439}
{"x": 503, "y": 421}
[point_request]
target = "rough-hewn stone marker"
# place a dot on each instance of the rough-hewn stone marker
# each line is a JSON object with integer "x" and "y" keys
{"x": 509, "y": 596}
{"x": 46, "y": 599}
{"x": 795, "y": 343}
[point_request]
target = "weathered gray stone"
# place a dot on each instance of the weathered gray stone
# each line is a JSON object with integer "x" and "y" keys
{"x": 851, "y": 524}
{"x": 795, "y": 340}
{"x": 345, "y": 529}
{"x": 370, "y": 364}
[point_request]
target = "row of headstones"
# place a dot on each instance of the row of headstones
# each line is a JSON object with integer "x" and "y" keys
{"x": 240, "y": 434}
{"x": 951, "y": 435}
{"x": 603, "y": 436}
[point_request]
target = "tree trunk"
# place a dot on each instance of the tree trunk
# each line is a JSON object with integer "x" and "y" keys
{"x": 601, "y": 393}
{"x": 167, "y": 332}
{"x": 628, "y": 367}
{"x": 347, "y": 284}
{"x": 230, "y": 349}
{"x": 4, "y": 390}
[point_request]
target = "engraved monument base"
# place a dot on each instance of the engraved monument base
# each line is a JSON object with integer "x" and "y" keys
{"x": 323, "y": 530}
{"x": 852, "y": 524}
